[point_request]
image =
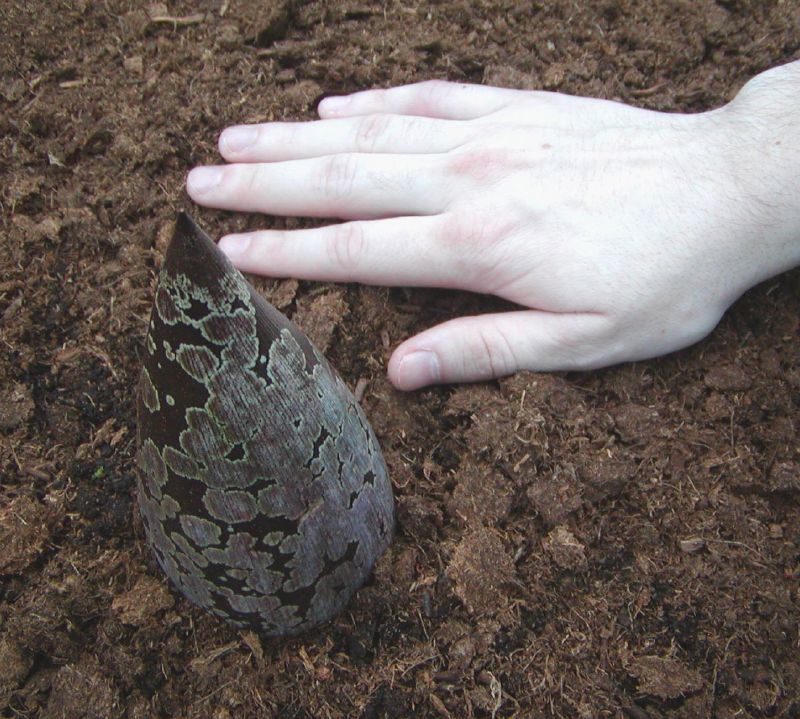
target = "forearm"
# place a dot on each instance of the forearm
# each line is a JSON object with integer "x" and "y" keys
{"x": 762, "y": 135}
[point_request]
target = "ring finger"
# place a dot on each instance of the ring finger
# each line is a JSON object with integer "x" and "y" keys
{"x": 394, "y": 251}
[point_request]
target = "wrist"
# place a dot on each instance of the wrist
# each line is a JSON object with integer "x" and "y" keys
{"x": 761, "y": 138}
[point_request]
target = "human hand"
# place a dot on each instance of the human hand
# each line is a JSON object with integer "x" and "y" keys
{"x": 620, "y": 231}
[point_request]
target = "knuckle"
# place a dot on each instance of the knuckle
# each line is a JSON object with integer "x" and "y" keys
{"x": 337, "y": 175}
{"x": 430, "y": 94}
{"x": 251, "y": 181}
{"x": 347, "y": 245}
{"x": 371, "y": 131}
{"x": 379, "y": 96}
{"x": 475, "y": 243}
{"x": 411, "y": 126}
{"x": 474, "y": 232}
{"x": 573, "y": 348}
{"x": 493, "y": 355}
{"x": 481, "y": 164}
{"x": 434, "y": 89}
{"x": 289, "y": 134}
{"x": 588, "y": 343}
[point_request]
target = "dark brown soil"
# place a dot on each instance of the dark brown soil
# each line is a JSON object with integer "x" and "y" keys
{"x": 623, "y": 543}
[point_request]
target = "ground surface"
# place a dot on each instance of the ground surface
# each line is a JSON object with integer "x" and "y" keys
{"x": 621, "y": 543}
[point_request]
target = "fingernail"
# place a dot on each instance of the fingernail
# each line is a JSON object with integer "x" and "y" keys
{"x": 418, "y": 369}
{"x": 203, "y": 179}
{"x": 234, "y": 245}
{"x": 334, "y": 104}
{"x": 236, "y": 139}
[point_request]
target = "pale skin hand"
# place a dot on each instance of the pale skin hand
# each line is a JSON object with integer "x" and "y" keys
{"x": 625, "y": 233}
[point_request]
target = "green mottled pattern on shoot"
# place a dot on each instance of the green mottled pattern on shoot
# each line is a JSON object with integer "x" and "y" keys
{"x": 262, "y": 488}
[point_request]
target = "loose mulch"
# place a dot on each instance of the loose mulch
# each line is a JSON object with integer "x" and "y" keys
{"x": 622, "y": 543}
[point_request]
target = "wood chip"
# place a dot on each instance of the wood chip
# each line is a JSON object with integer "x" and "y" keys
{"x": 134, "y": 64}
{"x": 690, "y": 546}
{"x": 665, "y": 678}
{"x": 139, "y": 604}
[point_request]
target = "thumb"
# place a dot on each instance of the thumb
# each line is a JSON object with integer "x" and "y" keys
{"x": 470, "y": 349}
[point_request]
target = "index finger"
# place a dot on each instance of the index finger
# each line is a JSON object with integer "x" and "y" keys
{"x": 432, "y": 98}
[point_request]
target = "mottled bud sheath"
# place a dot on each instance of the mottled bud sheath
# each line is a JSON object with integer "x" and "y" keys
{"x": 261, "y": 484}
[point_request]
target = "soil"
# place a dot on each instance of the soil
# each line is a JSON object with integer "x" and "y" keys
{"x": 623, "y": 543}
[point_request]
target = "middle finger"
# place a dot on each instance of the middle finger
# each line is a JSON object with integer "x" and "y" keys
{"x": 346, "y": 185}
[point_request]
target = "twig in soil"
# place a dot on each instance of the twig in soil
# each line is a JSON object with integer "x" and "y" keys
{"x": 739, "y": 544}
{"x": 439, "y": 705}
{"x": 361, "y": 388}
{"x": 36, "y": 474}
{"x": 179, "y": 21}
{"x": 713, "y": 689}
{"x": 417, "y": 663}
{"x": 216, "y": 691}
{"x": 496, "y": 690}
{"x": 648, "y": 91}
{"x": 70, "y": 84}
{"x": 521, "y": 462}
{"x": 104, "y": 358}
{"x": 215, "y": 654}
